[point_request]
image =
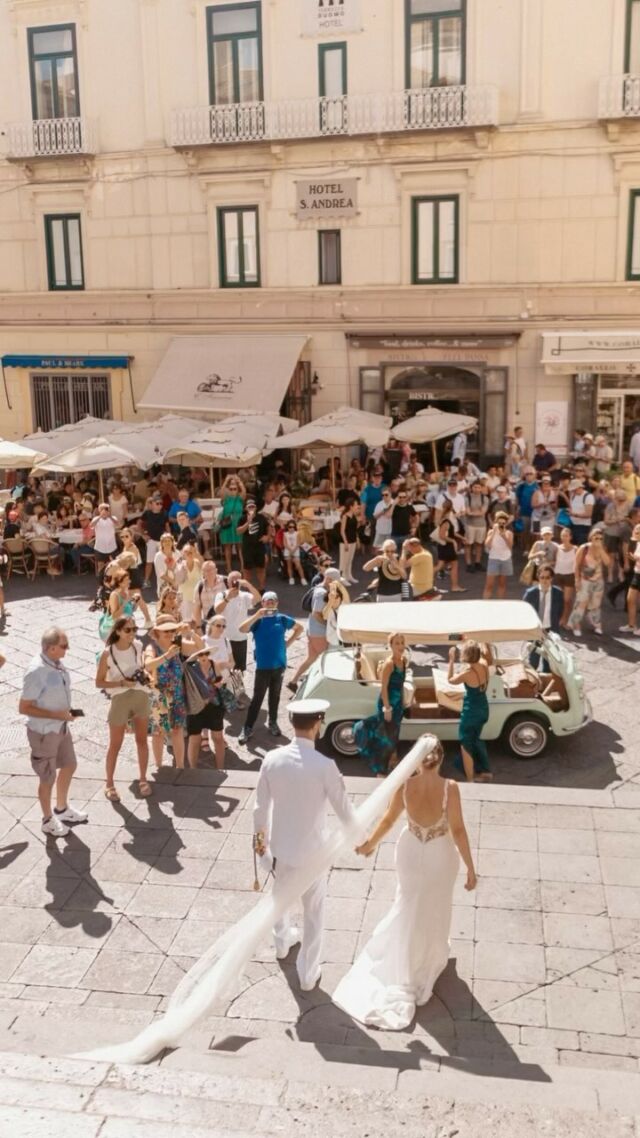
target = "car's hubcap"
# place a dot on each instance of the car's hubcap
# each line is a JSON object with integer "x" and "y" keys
{"x": 527, "y": 738}
{"x": 344, "y": 740}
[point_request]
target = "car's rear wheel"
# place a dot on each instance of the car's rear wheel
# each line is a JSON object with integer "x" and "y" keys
{"x": 340, "y": 736}
{"x": 526, "y": 735}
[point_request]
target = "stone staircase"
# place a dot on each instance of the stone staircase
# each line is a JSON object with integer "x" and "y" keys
{"x": 280, "y": 1088}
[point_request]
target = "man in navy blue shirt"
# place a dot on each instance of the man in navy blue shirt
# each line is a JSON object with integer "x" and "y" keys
{"x": 186, "y": 505}
{"x": 269, "y": 628}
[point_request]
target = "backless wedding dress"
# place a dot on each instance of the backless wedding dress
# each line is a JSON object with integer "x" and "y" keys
{"x": 397, "y": 969}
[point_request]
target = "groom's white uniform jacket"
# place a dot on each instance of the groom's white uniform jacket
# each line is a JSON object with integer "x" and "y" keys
{"x": 295, "y": 785}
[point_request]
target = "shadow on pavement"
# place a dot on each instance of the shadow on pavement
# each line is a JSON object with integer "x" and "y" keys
{"x": 79, "y": 907}
{"x": 8, "y": 854}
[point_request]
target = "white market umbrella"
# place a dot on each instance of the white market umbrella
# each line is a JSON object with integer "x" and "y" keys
{"x": 430, "y": 425}
{"x": 239, "y": 440}
{"x": 17, "y": 456}
{"x": 340, "y": 428}
{"x": 71, "y": 434}
{"x": 129, "y": 444}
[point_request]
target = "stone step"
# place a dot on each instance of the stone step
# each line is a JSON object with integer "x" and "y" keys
{"x": 197, "y": 1095}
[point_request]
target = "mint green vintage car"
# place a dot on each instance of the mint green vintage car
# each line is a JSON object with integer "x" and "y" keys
{"x": 525, "y": 706}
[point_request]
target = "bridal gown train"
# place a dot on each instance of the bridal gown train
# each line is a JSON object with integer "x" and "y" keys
{"x": 397, "y": 969}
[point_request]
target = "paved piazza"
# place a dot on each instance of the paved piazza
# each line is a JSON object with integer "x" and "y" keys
{"x": 95, "y": 931}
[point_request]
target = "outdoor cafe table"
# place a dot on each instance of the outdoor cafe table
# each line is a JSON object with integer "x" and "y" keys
{"x": 69, "y": 536}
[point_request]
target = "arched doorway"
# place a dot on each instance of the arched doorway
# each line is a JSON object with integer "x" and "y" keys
{"x": 444, "y": 386}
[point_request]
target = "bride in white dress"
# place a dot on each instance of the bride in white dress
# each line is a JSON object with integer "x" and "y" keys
{"x": 397, "y": 969}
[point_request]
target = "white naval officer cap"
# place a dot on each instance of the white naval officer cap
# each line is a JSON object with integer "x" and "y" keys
{"x": 308, "y": 707}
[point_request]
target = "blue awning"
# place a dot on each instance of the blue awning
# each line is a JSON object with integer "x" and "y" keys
{"x": 55, "y": 361}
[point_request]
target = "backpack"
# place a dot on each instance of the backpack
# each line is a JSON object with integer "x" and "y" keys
{"x": 307, "y": 600}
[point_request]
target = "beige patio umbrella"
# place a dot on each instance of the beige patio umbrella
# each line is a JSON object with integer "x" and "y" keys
{"x": 17, "y": 456}
{"x": 339, "y": 428}
{"x": 430, "y": 425}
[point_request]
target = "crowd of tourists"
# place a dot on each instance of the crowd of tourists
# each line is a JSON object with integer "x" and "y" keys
{"x": 576, "y": 527}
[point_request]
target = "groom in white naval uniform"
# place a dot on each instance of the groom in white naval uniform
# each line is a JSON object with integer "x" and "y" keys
{"x": 295, "y": 785}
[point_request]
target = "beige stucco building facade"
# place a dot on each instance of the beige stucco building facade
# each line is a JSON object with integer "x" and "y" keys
{"x": 442, "y": 197}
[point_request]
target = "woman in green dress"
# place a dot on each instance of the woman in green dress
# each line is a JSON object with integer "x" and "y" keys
{"x": 475, "y": 707}
{"x": 377, "y": 736}
{"x": 233, "y": 495}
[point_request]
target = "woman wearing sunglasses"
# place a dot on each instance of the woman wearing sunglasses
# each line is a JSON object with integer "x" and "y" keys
{"x": 592, "y": 562}
{"x": 121, "y": 675}
{"x": 214, "y": 661}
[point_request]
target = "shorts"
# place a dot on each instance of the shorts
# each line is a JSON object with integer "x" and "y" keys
{"x": 126, "y": 705}
{"x": 211, "y": 718}
{"x": 153, "y": 547}
{"x": 239, "y": 652}
{"x": 290, "y": 554}
{"x": 611, "y": 542}
{"x": 565, "y": 580}
{"x": 50, "y": 752}
{"x": 634, "y": 583}
{"x": 254, "y": 557}
{"x": 496, "y": 568}
{"x": 447, "y": 553}
{"x": 475, "y": 535}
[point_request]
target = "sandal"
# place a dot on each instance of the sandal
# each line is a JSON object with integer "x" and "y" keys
{"x": 144, "y": 788}
{"x": 111, "y": 794}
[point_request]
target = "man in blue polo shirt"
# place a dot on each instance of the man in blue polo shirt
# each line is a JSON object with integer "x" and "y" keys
{"x": 186, "y": 505}
{"x": 269, "y": 628}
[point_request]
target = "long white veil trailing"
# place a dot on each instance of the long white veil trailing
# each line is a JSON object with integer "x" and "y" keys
{"x": 213, "y": 976}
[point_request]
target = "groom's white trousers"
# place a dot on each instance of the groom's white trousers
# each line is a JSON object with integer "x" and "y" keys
{"x": 308, "y": 962}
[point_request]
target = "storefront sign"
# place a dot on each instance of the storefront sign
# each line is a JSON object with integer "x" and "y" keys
{"x": 326, "y": 17}
{"x": 565, "y": 353}
{"x": 456, "y": 343}
{"x": 552, "y": 425}
{"x": 330, "y": 197}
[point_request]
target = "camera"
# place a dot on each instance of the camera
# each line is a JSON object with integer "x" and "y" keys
{"x": 177, "y": 640}
{"x": 141, "y": 677}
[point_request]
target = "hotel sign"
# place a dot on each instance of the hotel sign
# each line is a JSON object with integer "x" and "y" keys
{"x": 327, "y": 17}
{"x": 326, "y": 198}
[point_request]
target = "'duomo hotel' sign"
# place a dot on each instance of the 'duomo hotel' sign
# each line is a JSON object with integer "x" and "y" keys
{"x": 326, "y": 198}
{"x": 323, "y": 17}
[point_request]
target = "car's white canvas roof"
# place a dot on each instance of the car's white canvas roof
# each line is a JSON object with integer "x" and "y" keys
{"x": 426, "y": 622}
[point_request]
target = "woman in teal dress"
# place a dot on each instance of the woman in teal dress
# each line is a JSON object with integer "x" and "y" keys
{"x": 377, "y": 736}
{"x": 475, "y": 708}
{"x": 233, "y": 495}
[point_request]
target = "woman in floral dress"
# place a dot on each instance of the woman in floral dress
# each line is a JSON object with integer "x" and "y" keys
{"x": 168, "y": 718}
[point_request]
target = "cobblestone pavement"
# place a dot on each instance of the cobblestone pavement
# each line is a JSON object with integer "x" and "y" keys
{"x": 96, "y": 931}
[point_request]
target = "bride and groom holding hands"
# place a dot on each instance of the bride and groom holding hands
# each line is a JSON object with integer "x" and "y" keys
{"x": 396, "y": 971}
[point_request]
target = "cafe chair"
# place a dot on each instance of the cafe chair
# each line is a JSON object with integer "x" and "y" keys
{"x": 45, "y": 558}
{"x": 18, "y": 555}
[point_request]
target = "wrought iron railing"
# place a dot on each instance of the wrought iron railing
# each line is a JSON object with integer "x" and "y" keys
{"x": 50, "y": 138}
{"x": 432, "y": 108}
{"x": 619, "y": 97}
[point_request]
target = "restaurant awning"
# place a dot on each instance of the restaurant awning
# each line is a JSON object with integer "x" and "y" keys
{"x": 565, "y": 353}
{"x": 221, "y": 374}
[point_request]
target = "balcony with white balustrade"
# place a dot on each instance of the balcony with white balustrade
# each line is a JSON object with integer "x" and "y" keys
{"x": 619, "y": 97}
{"x": 50, "y": 138}
{"x": 424, "y": 109}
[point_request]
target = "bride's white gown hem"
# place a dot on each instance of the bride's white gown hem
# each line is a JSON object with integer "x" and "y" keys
{"x": 398, "y": 968}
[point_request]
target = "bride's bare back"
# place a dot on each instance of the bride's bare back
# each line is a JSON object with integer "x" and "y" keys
{"x": 425, "y": 796}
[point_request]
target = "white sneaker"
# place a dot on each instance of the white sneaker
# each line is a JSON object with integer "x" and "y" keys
{"x": 291, "y": 581}
{"x": 55, "y": 827}
{"x": 303, "y": 581}
{"x": 70, "y": 814}
{"x": 627, "y": 628}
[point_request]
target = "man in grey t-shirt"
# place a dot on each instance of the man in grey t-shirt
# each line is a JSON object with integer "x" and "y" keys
{"x": 46, "y": 702}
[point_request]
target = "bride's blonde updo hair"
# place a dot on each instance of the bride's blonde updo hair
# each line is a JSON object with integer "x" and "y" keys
{"x": 435, "y": 755}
